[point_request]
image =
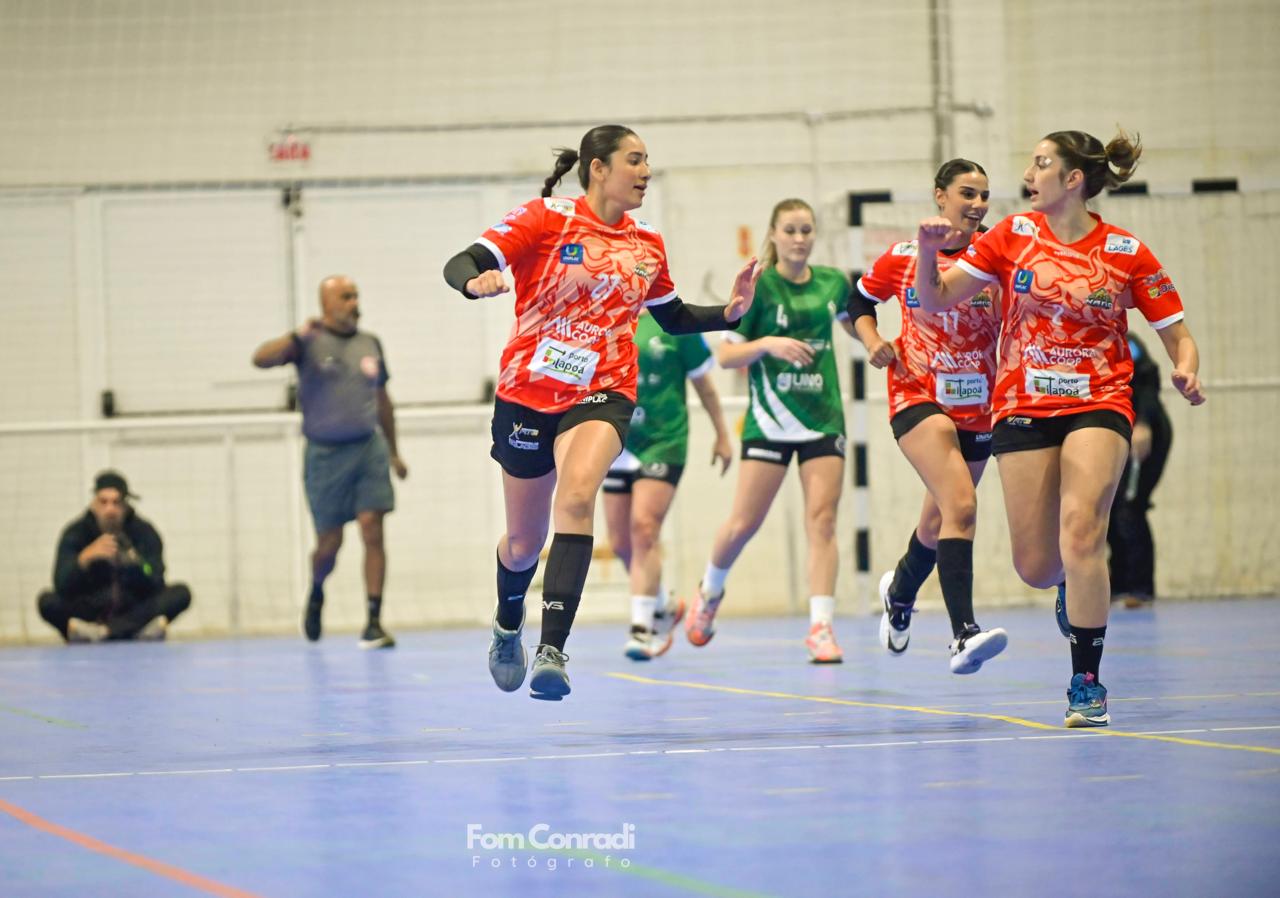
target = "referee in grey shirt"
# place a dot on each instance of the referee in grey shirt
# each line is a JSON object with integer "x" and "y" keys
{"x": 350, "y": 426}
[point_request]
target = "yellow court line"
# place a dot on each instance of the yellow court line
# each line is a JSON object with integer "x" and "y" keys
{"x": 1017, "y": 721}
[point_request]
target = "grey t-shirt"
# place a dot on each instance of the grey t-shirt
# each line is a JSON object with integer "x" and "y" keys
{"x": 338, "y": 380}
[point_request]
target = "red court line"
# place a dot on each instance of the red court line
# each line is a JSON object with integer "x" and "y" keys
{"x": 159, "y": 868}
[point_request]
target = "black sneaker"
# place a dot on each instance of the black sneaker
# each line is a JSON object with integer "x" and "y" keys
{"x": 311, "y": 619}
{"x": 374, "y": 637}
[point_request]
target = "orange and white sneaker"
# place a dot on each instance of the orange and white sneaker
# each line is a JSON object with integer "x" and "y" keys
{"x": 822, "y": 646}
{"x": 699, "y": 626}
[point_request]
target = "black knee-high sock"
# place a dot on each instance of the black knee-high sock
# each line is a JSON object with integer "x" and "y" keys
{"x": 1086, "y": 649}
{"x": 512, "y": 586}
{"x": 913, "y": 569}
{"x": 567, "y": 566}
{"x": 955, "y": 572}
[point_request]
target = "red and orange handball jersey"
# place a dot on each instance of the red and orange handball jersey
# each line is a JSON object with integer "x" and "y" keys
{"x": 579, "y": 286}
{"x": 944, "y": 358}
{"x": 1063, "y": 349}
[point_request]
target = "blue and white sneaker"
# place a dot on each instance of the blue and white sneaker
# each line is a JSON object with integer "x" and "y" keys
{"x": 895, "y": 622}
{"x": 1086, "y": 702}
{"x": 508, "y": 662}
{"x": 1060, "y": 612}
{"x": 972, "y": 647}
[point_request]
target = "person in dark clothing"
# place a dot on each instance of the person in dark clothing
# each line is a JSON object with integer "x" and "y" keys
{"x": 1133, "y": 558}
{"x": 108, "y": 577}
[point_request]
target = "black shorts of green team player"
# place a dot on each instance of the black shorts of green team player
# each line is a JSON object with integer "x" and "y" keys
{"x": 776, "y": 452}
{"x": 975, "y": 445}
{"x": 621, "y": 479}
{"x": 1018, "y": 433}
{"x": 524, "y": 438}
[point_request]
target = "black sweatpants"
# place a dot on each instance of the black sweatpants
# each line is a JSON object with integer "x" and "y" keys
{"x": 125, "y": 622}
{"x": 1133, "y": 552}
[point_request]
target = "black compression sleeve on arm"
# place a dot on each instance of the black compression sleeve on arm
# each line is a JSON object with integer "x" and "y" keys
{"x": 674, "y": 317}
{"x": 472, "y": 261}
{"x": 859, "y": 305}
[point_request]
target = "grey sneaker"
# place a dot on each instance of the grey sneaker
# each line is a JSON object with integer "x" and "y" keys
{"x": 508, "y": 662}
{"x": 549, "y": 680}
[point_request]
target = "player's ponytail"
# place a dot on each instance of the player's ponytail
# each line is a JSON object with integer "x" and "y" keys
{"x": 565, "y": 160}
{"x": 599, "y": 143}
{"x": 1085, "y": 152}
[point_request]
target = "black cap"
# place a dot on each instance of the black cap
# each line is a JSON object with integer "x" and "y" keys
{"x": 113, "y": 480}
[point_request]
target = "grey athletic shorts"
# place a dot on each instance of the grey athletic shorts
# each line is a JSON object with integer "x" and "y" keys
{"x": 343, "y": 479}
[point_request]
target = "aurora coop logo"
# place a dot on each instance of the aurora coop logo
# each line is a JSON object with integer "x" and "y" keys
{"x": 546, "y": 848}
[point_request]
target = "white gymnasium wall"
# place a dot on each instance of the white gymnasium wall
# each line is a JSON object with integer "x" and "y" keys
{"x": 160, "y": 294}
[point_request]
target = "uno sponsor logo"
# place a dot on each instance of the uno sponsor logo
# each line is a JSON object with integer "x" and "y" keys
{"x": 904, "y": 249}
{"x": 571, "y": 254}
{"x": 1099, "y": 299}
{"x": 1057, "y": 384}
{"x": 1022, "y": 279}
{"x": 970, "y": 358}
{"x": 578, "y": 331}
{"x": 1058, "y": 355}
{"x": 1118, "y": 243}
{"x": 912, "y": 301}
{"x": 800, "y": 382}
{"x": 1023, "y": 226}
{"x": 526, "y": 438}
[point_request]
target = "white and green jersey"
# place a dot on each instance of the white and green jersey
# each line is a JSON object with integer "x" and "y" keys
{"x": 660, "y": 424}
{"x": 791, "y": 404}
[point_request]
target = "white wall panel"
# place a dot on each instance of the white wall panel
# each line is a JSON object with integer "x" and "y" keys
{"x": 193, "y": 282}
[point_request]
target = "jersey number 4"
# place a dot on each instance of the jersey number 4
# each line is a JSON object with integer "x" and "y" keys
{"x": 782, "y": 318}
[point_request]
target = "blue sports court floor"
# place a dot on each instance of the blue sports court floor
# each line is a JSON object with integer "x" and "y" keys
{"x": 272, "y": 767}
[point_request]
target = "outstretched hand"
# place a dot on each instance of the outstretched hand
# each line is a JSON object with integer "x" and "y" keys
{"x": 937, "y": 233}
{"x": 744, "y": 291}
{"x": 1188, "y": 384}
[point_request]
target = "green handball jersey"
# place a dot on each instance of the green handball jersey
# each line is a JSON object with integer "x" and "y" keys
{"x": 790, "y": 404}
{"x": 660, "y": 424}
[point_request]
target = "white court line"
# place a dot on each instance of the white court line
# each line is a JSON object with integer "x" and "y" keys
{"x": 1078, "y": 734}
{"x": 568, "y": 723}
{"x": 1116, "y": 778}
{"x": 479, "y": 760}
{"x": 690, "y": 751}
{"x": 676, "y": 719}
{"x": 806, "y": 713}
{"x": 382, "y": 763}
{"x": 80, "y": 776}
